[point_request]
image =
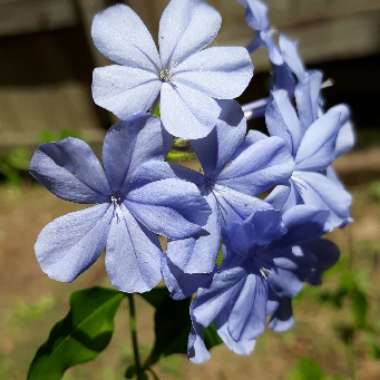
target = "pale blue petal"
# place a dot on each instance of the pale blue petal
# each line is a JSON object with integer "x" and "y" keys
{"x": 186, "y": 112}
{"x": 125, "y": 91}
{"x": 248, "y": 316}
{"x": 235, "y": 206}
{"x": 256, "y": 14}
{"x": 185, "y": 28}
{"x": 219, "y": 297}
{"x": 182, "y": 285}
{"x": 133, "y": 259}
{"x": 283, "y": 78}
{"x": 307, "y": 96}
{"x": 291, "y": 56}
{"x": 317, "y": 149}
{"x": 219, "y": 72}
{"x": 197, "y": 351}
{"x": 259, "y": 229}
{"x": 68, "y": 245}
{"x": 258, "y": 167}
{"x": 241, "y": 347}
{"x": 282, "y": 319}
{"x": 127, "y": 146}
{"x": 346, "y": 139}
{"x": 319, "y": 191}
{"x": 170, "y": 207}
{"x": 155, "y": 170}
{"x": 282, "y": 120}
{"x": 215, "y": 150}
{"x": 284, "y": 197}
{"x": 333, "y": 176}
{"x": 70, "y": 170}
{"x": 198, "y": 254}
{"x": 275, "y": 57}
{"x": 284, "y": 283}
{"x": 303, "y": 222}
{"x": 120, "y": 35}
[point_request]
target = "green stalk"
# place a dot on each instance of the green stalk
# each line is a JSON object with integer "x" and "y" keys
{"x": 133, "y": 332}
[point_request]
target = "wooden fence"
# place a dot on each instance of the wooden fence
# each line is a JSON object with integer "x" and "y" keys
{"x": 327, "y": 30}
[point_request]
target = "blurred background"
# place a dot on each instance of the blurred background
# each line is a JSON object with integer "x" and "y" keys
{"x": 46, "y": 61}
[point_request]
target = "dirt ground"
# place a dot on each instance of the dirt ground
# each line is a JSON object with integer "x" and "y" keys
{"x": 30, "y": 304}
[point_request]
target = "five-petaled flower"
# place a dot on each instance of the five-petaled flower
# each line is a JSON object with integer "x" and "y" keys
{"x": 313, "y": 140}
{"x": 270, "y": 247}
{"x": 133, "y": 203}
{"x": 186, "y": 77}
{"x": 268, "y": 258}
{"x": 237, "y": 167}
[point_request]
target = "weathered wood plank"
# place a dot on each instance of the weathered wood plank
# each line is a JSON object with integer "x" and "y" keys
{"x": 25, "y": 16}
{"x": 326, "y": 29}
{"x": 45, "y": 85}
{"x": 346, "y": 37}
{"x": 293, "y": 12}
{"x": 28, "y": 111}
{"x": 87, "y": 10}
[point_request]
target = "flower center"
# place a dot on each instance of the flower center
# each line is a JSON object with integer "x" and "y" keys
{"x": 164, "y": 75}
{"x": 116, "y": 200}
{"x": 265, "y": 272}
{"x": 208, "y": 183}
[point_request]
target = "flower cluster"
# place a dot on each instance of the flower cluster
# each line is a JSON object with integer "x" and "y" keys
{"x": 243, "y": 234}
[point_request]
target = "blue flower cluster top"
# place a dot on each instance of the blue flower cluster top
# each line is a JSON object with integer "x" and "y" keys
{"x": 242, "y": 235}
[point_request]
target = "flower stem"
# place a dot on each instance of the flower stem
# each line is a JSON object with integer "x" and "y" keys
{"x": 133, "y": 332}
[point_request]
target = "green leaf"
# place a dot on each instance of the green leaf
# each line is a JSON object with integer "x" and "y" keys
{"x": 306, "y": 369}
{"x": 155, "y": 297}
{"x": 171, "y": 326}
{"x": 359, "y": 307}
{"x": 80, "y": 336}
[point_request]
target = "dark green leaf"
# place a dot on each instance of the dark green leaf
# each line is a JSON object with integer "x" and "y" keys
{"x": 172, "y": 327}
{"x": 80, "y": 336}
{"x": 156, "y": 296}
{"x": 359, "y": 307}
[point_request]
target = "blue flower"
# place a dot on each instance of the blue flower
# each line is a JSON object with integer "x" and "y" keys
{"x": 292, "y": 59}
{"x": 287, "y": 65}
{"x": 133, "y": 203}
{"x": 256, "y": 15}
{"x": 236, "y": 168}
{"x": 269, "y": 258}
{"x": 186, "y": 77}
{"x": 314, "y": 139}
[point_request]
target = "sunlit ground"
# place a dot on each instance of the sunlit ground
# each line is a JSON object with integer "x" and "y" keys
{"x": 31, "y": 304}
